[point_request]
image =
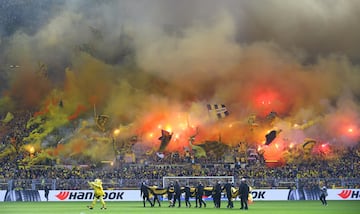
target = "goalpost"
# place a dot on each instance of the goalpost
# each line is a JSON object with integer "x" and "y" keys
{"x": 194, "y": 180}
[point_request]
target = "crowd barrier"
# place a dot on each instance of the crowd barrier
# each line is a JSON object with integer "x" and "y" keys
{"x": 134, "y": 195}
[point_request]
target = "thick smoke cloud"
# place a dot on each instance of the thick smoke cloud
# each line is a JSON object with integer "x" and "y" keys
{"x": 153, "y": 64}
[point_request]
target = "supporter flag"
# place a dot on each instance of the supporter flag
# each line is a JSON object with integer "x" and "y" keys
{"x": 219, "y": 110}
{"x": 308, "y": 144}
{"x": 101, "y": 121}
{"x": 234, "y": 192}
{"x": 208, "y": 190}
{"x": 155, "y": 190}
{"x": 160, "y": 155}
{"x": 165, "y": 139}
{"x": 215, "y": 147}
{"x": 271, "y": 136}
{"x": 9, "y": 116}
{"x": 198, "y": 151}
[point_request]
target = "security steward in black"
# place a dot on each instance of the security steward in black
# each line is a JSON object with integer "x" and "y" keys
{"x": 244, "y": 194}
{"x": 199, "y": 195}
{"x": 177, "y": 193}
{"x": 144, "y": 192}
{"x": 217, "y": 194}
{"x": 228, "y": 186}
{"x": 187, "y": 191}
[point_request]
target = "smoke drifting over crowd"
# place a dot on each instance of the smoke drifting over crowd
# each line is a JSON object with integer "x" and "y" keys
{"x": 152, "y": 65}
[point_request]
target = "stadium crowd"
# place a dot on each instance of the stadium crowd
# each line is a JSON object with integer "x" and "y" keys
{"x": 341, "y": 172}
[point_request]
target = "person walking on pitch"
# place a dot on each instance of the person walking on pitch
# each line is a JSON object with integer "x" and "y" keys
{"x": 244, "y": 194}
{"x": 98, "y": 193}
{"x": 323, "y": 194}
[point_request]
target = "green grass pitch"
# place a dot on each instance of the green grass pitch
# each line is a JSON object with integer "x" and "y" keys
{"x": 268, "y": 207}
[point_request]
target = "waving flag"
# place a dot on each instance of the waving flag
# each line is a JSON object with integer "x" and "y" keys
{"x": 219, "y": 110}
{"x": 271, "y": 136}
{"x": 215, "y": 147}
{"x": 308, "y": 144}
{"x": 101, "y": 121}
{"x": 198, "y": 151}
{"x": 9, "y": 116}
{"x": 165, "y": 139}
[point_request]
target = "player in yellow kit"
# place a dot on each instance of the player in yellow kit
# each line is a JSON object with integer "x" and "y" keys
{"x": 98, "y": 193}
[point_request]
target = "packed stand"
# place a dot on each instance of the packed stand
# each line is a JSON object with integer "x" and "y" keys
{"x": 340, "y": 172}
